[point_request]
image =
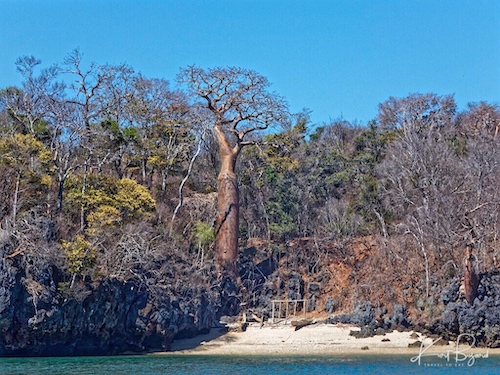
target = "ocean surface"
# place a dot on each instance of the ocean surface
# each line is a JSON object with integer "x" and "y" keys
{"x": 246, "y": 365}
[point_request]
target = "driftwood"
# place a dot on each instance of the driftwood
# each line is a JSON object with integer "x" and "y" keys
{"x": 298, "y": 324}
{"x": 240, "y": 326}
{"x": 257, "y": 319}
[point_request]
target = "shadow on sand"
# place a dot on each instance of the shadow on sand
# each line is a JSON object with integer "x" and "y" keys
{"x": 197, "y": 342}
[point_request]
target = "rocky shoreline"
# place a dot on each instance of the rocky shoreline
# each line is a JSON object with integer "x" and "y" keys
{"x": 450, "y": 316}
{"x": 48, "y": 318}
{"x": 104, "y": 318}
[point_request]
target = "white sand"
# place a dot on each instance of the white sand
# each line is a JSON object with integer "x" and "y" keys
{"x": 318, "y": 339}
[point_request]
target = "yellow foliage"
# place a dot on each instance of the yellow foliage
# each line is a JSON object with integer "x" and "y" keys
{"x": 45, "y": 156}
{"x": 97, "y": 197}
{"x": 132, "y": 198}
{"x": 27, "y": 144}
{"x": 157, "y": 162}
{"x": 80, "y": 254}
{"x": 108, "y": 200}
{"x": 104, "y": 216}
{"x": 18, "y": 150}
{"x": 46, "y": 180}
{"x": 293, "y": 164}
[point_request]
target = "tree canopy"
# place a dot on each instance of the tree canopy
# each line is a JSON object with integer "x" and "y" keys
{"x": 95, "y": 160}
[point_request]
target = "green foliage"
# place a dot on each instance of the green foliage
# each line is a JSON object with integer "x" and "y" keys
{"x": 41, "y": 131}
{"x": 300, "y": 127}
{"x": 130, "y": 134}
{"x": 120, "y": 135}
{"x": 372, "y": 142}
{"x": 297, "y": 177}
{"x": 283, "y": 208}
{"x": 278, "y": 167}
{"x": 285, "y": 228}
{"x": 279, "y": 151}
{"x": 204, "y": 234}
{"x": 316, "y": 136}
{"x": 71, "y": 291}
{"x": 166, "y": 145}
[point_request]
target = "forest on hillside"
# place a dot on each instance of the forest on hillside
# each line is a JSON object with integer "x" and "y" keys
{"x": 107, "y": 174}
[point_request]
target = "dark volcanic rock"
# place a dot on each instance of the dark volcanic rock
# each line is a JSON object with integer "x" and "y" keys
{"x": 295, "y": 287}
{"x": 480, "y": 320}
{"x": 331, "y": 304}
{"x": 109, "y": 317}
{"x": 450, "y": 292}
{"x": 399, "y": 318}
{"x": 362, "y": 315}
{"x": 365, "y": 331}
{"x": 315, "y": 289}
{"x": 311, "y": 303}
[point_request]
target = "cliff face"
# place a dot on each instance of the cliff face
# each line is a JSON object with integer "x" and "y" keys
{"x": 46, "y": 317}
{"x": 109, "y": 317}
{"x": 362, "y": 290}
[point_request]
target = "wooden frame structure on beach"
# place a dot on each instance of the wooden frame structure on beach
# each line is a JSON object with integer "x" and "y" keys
{"x": 279, "y": 302}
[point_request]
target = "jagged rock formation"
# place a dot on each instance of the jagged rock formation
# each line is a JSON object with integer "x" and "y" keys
{"x": 480, "y": 319}
{"x": 108, "y": 317}
{"x": 374, "y": 320}
{"x": 453, "y": 315}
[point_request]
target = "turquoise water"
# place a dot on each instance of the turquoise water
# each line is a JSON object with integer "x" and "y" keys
{"x": 241, "y": 365}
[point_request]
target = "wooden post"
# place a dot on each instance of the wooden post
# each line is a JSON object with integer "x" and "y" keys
{"x": 286, "y": 311}
{"x": 272, "y": 313}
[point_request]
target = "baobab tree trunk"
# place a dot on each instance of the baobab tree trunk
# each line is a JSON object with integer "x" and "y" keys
{"x": 227, "y": 223}
{"x": 471, "y": 280}
{"x": 240, "y": 104}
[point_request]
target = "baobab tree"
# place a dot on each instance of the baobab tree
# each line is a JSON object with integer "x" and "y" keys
{"x": 240, "y": 103}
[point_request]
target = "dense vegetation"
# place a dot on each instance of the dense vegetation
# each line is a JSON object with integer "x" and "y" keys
{"x": 109, "y": 174}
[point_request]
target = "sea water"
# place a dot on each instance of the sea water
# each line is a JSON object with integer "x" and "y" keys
{"x": 244, "y": 365}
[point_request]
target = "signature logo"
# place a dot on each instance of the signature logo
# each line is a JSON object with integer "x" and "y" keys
{"x": 460, "y": 354}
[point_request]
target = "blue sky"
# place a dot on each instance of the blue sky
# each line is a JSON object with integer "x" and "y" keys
{"x": 337, "y": 58}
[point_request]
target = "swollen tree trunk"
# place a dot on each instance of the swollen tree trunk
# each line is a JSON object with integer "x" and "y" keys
{"x": 471, "y": 280}
{"x": 227, "y": 223}
{"x": 241, "y": 104}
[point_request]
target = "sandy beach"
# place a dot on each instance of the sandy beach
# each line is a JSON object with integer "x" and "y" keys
{"x": 315, "y": 339}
